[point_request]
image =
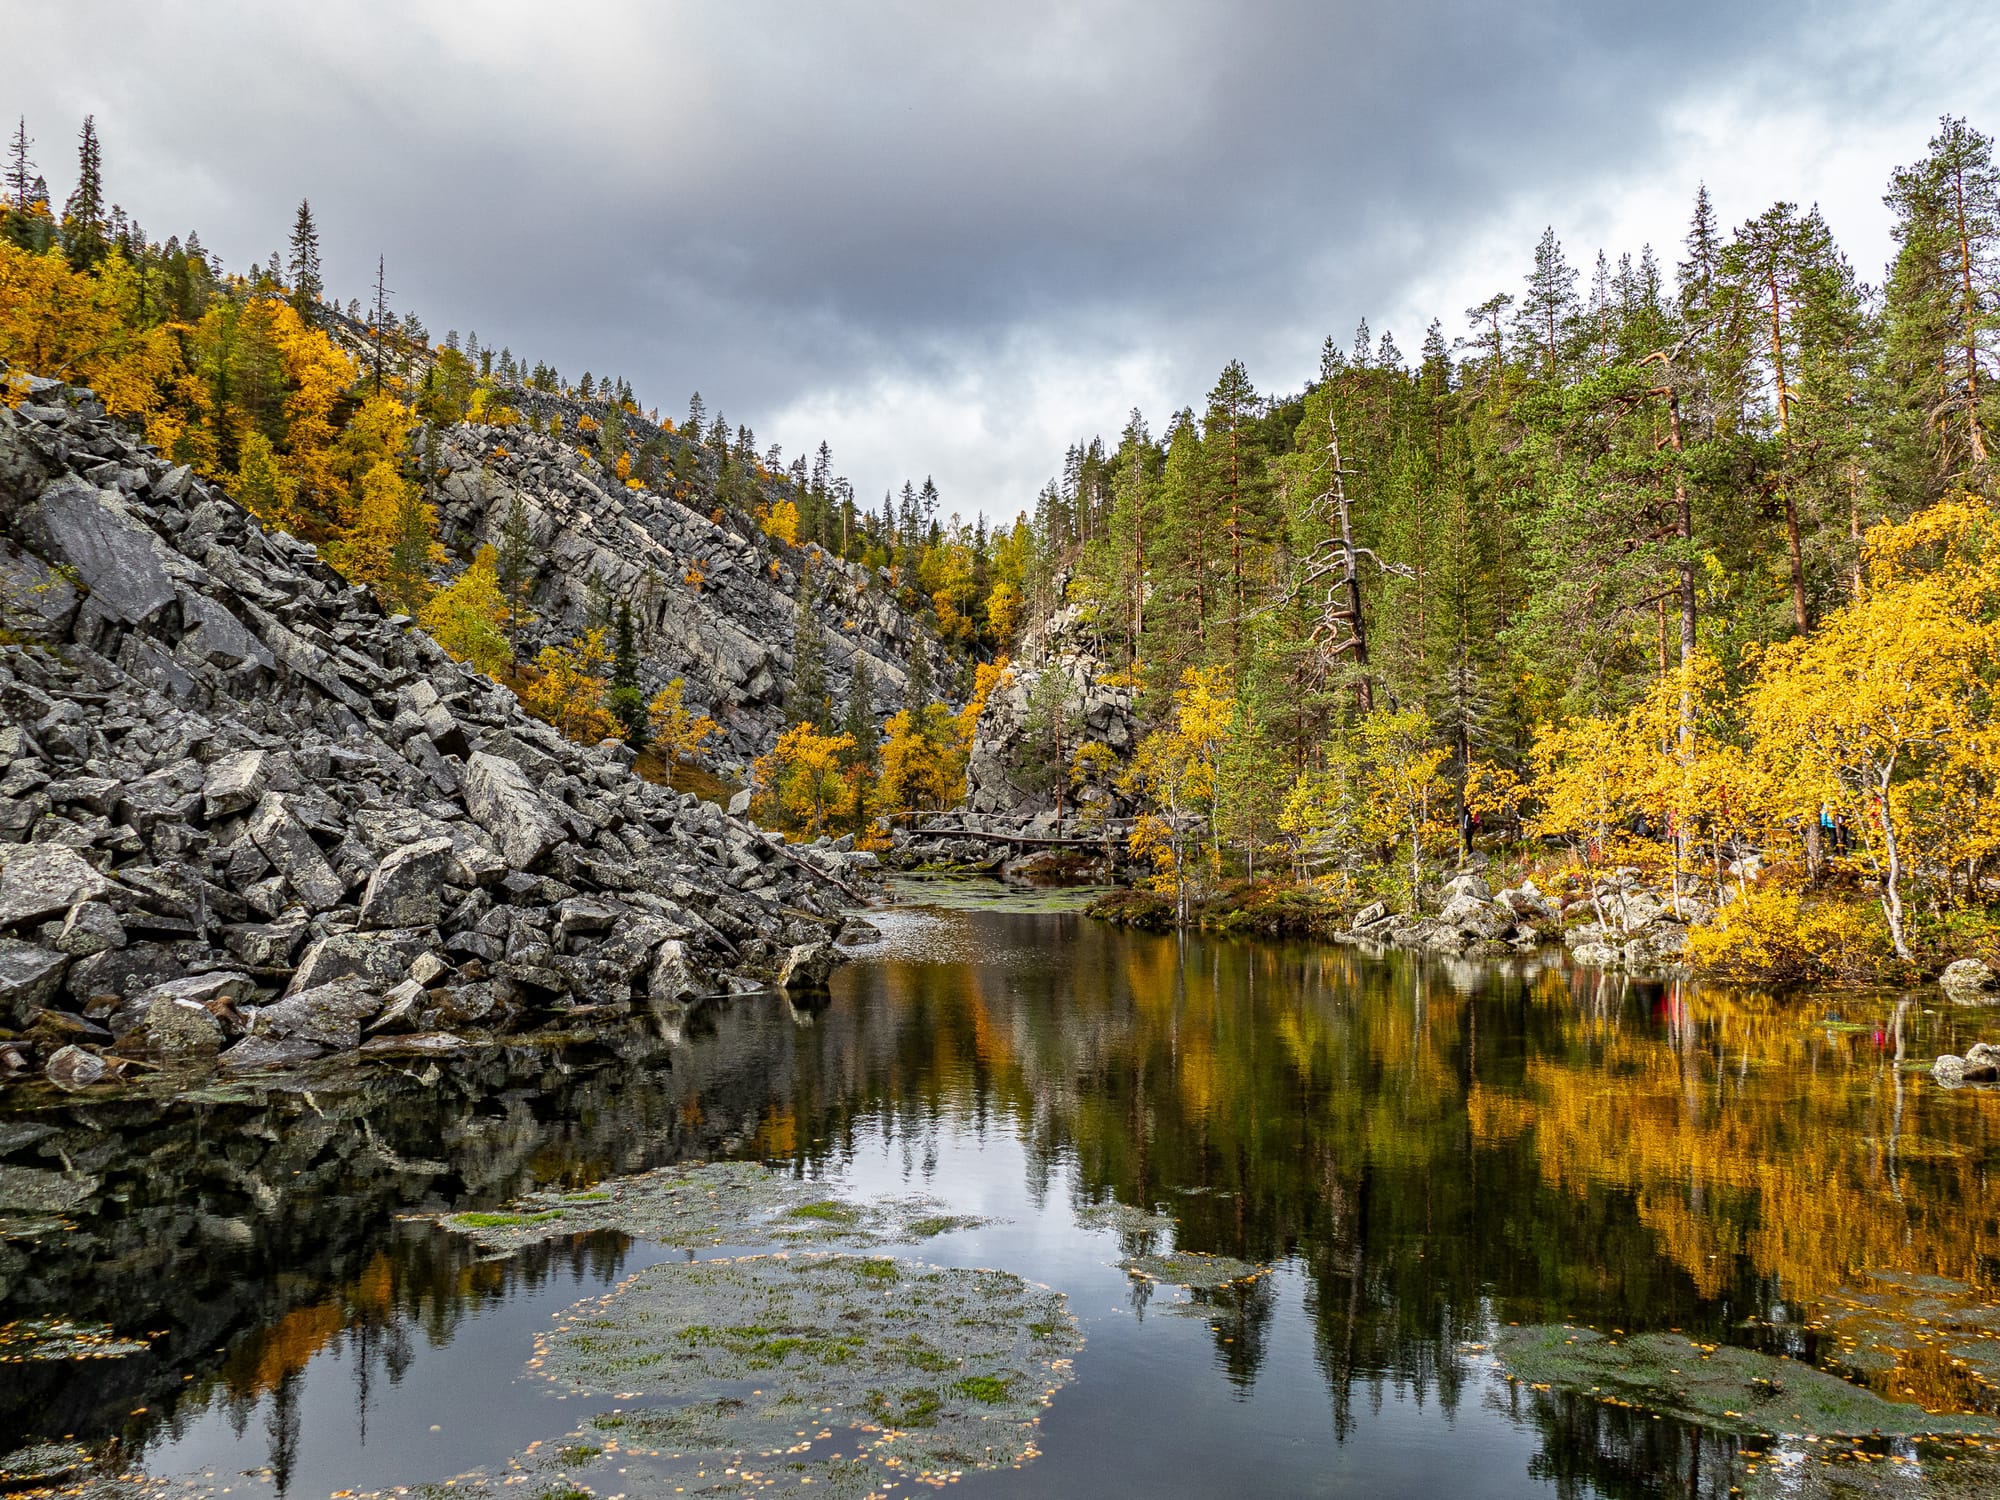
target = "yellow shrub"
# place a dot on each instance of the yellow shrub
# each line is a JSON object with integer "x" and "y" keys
{"x": 781, "y": 523}
{"x": 1774, "y": 932}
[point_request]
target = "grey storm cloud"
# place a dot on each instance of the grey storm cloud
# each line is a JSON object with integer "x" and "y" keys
{"x": 932, "y": 228}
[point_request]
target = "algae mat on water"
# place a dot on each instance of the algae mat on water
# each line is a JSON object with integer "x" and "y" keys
{"x": 723, "y": 1203}
{"x": 820, "y": 1374}
{"x": 1716, "y": 1386}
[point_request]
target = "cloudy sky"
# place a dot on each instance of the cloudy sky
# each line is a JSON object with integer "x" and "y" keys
{"x": 951, "y": 239}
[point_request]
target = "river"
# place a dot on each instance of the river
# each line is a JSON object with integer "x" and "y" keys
{"x": 1421, "y": 1152}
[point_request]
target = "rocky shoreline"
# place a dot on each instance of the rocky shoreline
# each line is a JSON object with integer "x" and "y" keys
{"x": 247, "y": 819}
{"x": 1619, "y": 924}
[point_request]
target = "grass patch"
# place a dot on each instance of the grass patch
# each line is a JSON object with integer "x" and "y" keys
{"x": 911, "y": 1408}
{"x": 826, "y": 1211}
{"x": 990, "y": 1389}
{"x": 504, "y": 1221}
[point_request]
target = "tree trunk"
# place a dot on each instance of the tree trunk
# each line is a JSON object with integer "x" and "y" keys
{"x": 1854, "y": 522}
{"x": 1971, "y": 316}
{"x": 1892, "y": 870}
{"x": 1798, "y": 562}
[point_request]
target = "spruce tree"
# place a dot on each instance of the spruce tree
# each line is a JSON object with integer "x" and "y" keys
{"x": 806, "y": 700}
{"x": 917, "y": 687}
{"x": 626, "y": 700}
{"x": 307, "y": 288}
{"x": 378, "y": 318}
{"x": 21, "y": 171}
{"x": 611, "y": 438}
{"x": 410, "y": 556}
{"x": 83, "y": 233}
{"x": 515, "y": 567}
{"x": 859, "y": 721}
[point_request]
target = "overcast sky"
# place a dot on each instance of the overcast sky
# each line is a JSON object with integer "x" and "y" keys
{"x": 952, "y": 239}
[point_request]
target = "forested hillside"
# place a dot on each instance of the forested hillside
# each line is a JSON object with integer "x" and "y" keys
{"x": 1680, "y": 560}
{"x": 1692, "y": 542}
{"x": 625, "y": 572}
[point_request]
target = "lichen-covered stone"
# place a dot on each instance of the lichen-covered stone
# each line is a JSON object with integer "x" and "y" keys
{"x": 501, "y": 800}
{"x": 29, "y": 975}
{"x": 407, "y": 888}
{"x": 46, "y": 880}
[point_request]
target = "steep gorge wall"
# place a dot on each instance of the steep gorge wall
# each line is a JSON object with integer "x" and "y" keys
{"x": 730, "y": 635}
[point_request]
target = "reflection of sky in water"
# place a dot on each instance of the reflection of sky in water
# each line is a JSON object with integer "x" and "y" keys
{"x": 1153, "y": 1411}
{"x": 1420, "y": 1149}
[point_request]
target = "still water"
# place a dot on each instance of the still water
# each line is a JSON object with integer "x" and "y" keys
{"x": 1423, "y": 1152}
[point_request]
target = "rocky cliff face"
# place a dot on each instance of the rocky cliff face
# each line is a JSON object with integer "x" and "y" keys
{"x": 714, "y": 602}
{"x": 1055, "y": 675}
{"x": 242, "y": 812}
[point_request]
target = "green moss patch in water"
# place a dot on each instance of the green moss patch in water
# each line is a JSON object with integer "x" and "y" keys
{"x": 702, "y": 1205}
{"x": 1198, "y": 1273}
{"x": 502, "y": 1221}
{"x": 834, "y": 1370}
{"x": 1135, "y": 1224}
{"x": 1720, "y": 1387}
{"x": 1905, "y": 1333}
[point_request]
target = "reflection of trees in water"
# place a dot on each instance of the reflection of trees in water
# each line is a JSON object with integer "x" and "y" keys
{"x": 1433, "y": 1147}
{"x": 1437, "y": 1145}
{"x": 1590, "y": 1450}
{"x": 282, "y": 1423}
{"x": 256, "y": 1221}
{"x": 423, "y": 1283}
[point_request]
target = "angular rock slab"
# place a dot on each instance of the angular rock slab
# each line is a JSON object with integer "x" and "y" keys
{"x": 28, "y": 978}
{"x": 169, "y": 1028}
{"x": 46, "y": 880}
{"x": 329, "y": 1015}
{"x": 407, "y": 888}
{"x": 289, "y": 845}
{"x": 501, "y": 800}
{"x": 807, "y": 966}
{"x": 118, "y": 560}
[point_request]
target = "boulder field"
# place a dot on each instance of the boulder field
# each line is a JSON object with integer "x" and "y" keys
{"x": 247, "y": 817}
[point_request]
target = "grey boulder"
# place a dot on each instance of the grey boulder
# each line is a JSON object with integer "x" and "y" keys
{"x": 1970, "y": 982}
{"x": 119, "y": 562}
{"x": 329, "y": 1015}
{"x": 46, "y": 880}
{"x": 28, "y": 978}
{"x": 807, "y": 966}
{"x": 71, "y": 1067}
{"x": 288, "y": 844}
{"x": 407, "y": 888}
{"x": 168, "y": 1028}
{"x": 502, "y": 801}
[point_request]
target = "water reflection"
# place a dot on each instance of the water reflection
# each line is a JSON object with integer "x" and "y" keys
{"x": 1432, "y": 1148}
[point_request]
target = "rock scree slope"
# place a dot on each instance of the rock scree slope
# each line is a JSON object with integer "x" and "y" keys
{"x": 246, "y": 815}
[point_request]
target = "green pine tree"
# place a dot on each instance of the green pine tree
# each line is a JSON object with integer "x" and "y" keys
{"x": 307, "y": 288}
